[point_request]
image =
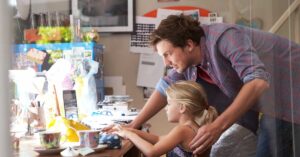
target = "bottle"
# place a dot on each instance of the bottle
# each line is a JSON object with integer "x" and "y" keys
{"x": 42, "y": 20}
{"x": 57, "y": 19}
{"x": 41, "y": 115}
{"x": 49, "y": 19}
{"x": 33, "y": 21}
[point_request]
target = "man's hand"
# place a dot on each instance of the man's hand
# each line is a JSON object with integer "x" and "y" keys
{"x": 122, "y": 131}
{"x": 206, "y": 136}
{"x": 111, "y": 128}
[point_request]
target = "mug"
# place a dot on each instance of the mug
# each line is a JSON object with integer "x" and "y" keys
{"x": 89, "y": 138}
{"x": 50, "y": 139}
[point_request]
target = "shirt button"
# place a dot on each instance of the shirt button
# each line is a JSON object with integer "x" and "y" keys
{"x": 208, "y": 63}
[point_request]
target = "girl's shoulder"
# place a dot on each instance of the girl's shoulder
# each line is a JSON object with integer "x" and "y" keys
{"x": 183, "y": 129}
{"x": 186, "y": 133}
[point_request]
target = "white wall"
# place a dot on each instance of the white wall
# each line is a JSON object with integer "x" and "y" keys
{"x": 288, "y": 28}
{"x": 5, "y": 39}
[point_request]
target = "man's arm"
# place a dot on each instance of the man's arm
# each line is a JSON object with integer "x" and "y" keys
{"x": 209, "y": 134}
{"x": 236, "y": 46}
{"x": 154, "y": 104}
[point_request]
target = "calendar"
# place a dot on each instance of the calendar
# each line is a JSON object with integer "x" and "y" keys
{"x": 139, "y": 42}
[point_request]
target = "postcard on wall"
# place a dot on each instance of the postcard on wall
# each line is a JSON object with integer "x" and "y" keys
{"x": 164, "y": 13}
{"x": 212, "y": 18}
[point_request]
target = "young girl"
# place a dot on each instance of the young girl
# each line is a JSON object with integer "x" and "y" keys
{"x": 187, "y": 106}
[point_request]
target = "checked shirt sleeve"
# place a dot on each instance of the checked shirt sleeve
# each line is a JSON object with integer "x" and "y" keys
{"x": 236, "y": 45}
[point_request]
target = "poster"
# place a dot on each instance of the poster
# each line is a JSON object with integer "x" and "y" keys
{"x": 139, "y": 42}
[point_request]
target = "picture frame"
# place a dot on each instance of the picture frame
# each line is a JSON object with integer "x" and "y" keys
{"x": 104, "y": 15}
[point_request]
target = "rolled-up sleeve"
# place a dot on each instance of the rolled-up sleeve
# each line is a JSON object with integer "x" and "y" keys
{"x": 235, "y": 45}
{"x": 161, "y": 86}
{"x": 261, "y": 74}
{"x": 166, "y": 81}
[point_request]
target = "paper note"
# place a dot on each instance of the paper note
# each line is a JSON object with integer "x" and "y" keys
{"x": 116, "y": 83}
{"x": 151, "y": 69}
{"x": 85, "y": 151}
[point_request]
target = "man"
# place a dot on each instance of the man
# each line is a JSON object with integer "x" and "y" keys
{"x": 231, "y": 62}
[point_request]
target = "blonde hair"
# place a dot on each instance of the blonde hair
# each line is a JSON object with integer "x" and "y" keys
{"x": 193, "y": 96}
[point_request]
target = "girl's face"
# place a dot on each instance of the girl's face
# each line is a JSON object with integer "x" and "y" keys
{"x": 173, "y": 111}
{"x": 174, "y": 57}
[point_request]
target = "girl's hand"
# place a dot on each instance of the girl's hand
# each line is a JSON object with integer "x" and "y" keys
{"x": 108, "y": 128}
{"x": 122, "y": 131}
{"x": 112, "y": 127}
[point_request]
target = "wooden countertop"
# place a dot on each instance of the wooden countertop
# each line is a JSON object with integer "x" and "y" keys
{"x": 26, "y": 149}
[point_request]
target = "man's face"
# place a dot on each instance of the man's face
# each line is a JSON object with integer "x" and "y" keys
{"x": 174, "y": 57}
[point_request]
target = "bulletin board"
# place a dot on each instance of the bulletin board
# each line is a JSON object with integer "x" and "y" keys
{"x": 146, "y": 24}
{"x": 150, "y": 64}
